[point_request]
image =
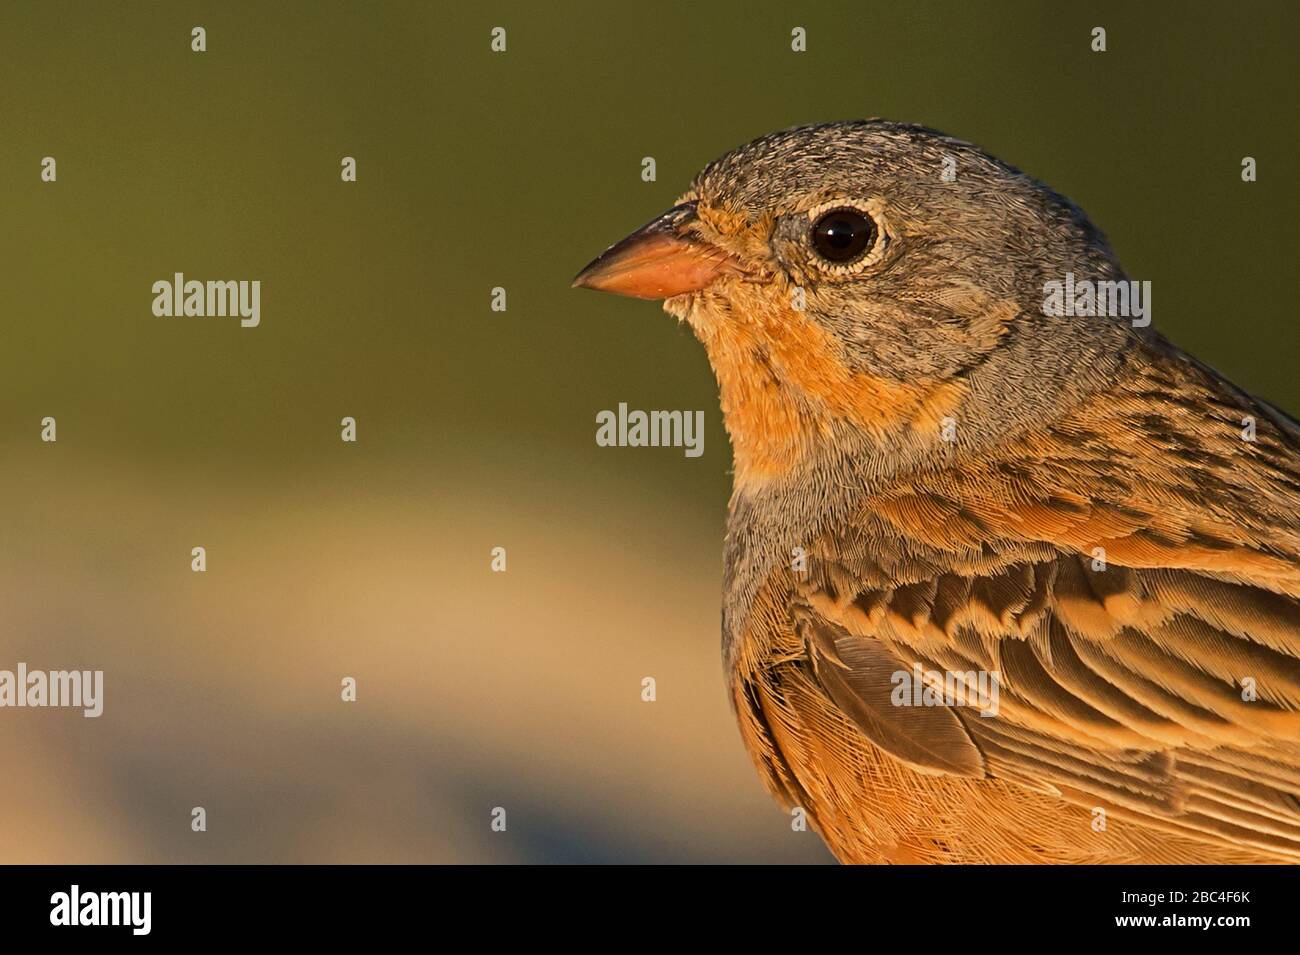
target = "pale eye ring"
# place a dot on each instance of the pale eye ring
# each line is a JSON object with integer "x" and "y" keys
{"x": 846, "y": 236}
{"x": 843, "y": 234}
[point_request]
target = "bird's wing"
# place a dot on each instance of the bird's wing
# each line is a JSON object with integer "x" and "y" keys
{"x": 1164, "y": 692}
{"x": 1143, "y": 622}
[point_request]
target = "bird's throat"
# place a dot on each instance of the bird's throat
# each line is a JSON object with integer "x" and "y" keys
{"x": 787, "y": 390}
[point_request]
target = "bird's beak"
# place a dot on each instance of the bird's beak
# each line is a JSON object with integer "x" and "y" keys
{"x": 659, "y": 260}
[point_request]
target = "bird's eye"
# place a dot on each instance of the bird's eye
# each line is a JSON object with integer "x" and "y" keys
{"x": 842, "y": 235}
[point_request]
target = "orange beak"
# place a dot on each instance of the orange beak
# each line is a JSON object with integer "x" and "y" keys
{"x": 659, "y": 260}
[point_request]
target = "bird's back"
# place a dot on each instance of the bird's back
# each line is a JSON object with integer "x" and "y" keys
{"x": 1127, "y": 575}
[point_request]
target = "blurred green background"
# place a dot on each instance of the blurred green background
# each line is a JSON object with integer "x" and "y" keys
{"x": 476, "y": 428}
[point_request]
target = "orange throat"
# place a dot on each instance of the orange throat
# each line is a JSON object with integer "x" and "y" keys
{"x": 785, "y": 383}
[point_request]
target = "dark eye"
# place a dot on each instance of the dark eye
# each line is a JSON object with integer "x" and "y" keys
{"x": 843, "y": 234}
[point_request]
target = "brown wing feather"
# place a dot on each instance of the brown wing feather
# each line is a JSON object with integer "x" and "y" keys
{"x": 1144, "y": 623}
{"x": 858, "y": 676}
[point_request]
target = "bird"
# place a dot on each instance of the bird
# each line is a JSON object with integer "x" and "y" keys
{"x": 1078, "y": 545}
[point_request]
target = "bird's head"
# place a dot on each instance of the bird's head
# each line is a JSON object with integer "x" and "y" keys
{"x": 867, "y": 280}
